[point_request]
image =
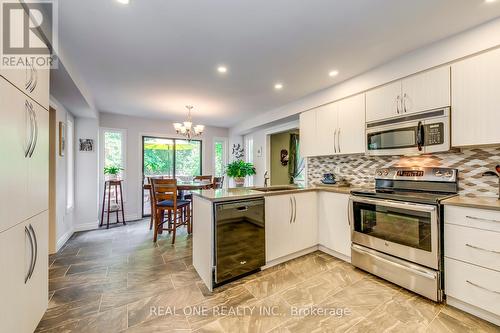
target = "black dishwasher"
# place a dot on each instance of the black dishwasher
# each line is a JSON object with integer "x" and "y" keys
{"x": 240, "y": 243}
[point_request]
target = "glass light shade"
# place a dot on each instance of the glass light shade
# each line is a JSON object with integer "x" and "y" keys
{"x": 188, "y": 124}
{"x": 183, "y": 130}
{"x": 177, "y": 126}
{"x": 199, "y": 128}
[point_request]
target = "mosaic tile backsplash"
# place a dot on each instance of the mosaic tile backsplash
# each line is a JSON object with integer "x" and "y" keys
{"x": 359, "y": 170}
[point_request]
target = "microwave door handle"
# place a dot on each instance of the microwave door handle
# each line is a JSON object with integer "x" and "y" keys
{"x": 420, "y": 135}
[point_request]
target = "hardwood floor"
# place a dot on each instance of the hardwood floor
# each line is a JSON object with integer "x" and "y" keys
{"x": 118, "y": 280}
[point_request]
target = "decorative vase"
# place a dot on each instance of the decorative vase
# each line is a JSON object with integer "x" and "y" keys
{"x": 113, "y": 177}
{"x": 239, "y": 181}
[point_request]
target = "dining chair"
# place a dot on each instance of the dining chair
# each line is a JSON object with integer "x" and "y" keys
{"x": 207, "y": 179}
{"x": 165, "y": 201}
{"x": 218, "y": 182}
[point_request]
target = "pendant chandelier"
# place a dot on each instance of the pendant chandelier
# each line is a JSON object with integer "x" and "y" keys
{"x": 187, "y": 129}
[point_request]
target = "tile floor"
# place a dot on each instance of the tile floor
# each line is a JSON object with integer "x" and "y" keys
{"x": 118, "y": 280}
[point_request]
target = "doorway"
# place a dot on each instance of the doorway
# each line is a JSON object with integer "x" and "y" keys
{"x": 170, "y": 158}
{"x": 287, "y": 166}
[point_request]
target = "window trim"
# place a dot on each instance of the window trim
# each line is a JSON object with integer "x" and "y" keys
{"x": 70, "y": 164}
{"x": 225, "y": 148}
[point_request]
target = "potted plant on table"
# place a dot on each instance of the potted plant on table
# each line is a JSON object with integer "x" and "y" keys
{"x": 238, "y": 170}
{"x": 112, "y": 172}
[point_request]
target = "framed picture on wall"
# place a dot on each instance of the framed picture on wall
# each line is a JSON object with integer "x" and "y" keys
{"x": 86, "y": 145}
{"x": 62, "y": 138}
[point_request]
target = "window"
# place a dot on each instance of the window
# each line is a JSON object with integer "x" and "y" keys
{"x": 249, "y": 157}
{"x": 70, "y": 165}
{"x": 114, "y": 150}
{"x": 220, "y": 157}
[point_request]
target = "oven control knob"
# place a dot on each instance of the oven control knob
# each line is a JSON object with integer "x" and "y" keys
{"x": 385, "y": 173}
{"x": 448, "y": 174}
{"x": 379, "y": 173}
{"x": 438, "y": 173}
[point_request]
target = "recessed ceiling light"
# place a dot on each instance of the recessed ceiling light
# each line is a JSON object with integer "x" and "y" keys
{"x": 222, "y": 69}
{"x": 489, "y": 1}
{"x": 278, "y": 86}
{"x": 333, "y": 73}
{"x": 124, "y": 2}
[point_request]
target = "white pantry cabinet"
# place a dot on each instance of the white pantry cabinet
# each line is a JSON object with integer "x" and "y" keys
{"x": 420, "y": 92}
{"x": 291, "y": 224}
{"x": 334, "y": 229}
{"x": 24, "y": 279}
{"x": 24, "y": 131}
{"x": 335, "y": 128}
{"x": 475, "y": 100}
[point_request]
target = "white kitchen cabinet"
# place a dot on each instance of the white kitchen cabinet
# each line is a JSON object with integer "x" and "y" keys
{"x": 475, "y": 100}
{"x": 420, "y": 92}
{"x": 308, "y": 134}
{"x": 326, "y": 129}
{"x": 291, "y": 224}
{"x": 383, "y": 102}
{"x": 426, "y": 91}
{"x": 334, "y": 229}
{"x": 335, "y": 128}
{"x": 351, "y": 125}
{"x": 24, "y": 296}
{"x": 24, "y": 176}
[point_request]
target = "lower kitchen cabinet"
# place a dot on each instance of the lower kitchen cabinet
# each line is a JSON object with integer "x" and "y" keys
{"x": 335, "y": 231}
{"x": 24, "y": 277}
{"x": 291, "y": 224}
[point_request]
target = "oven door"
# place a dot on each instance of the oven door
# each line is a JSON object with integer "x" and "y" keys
{"x": 405, "y": 230}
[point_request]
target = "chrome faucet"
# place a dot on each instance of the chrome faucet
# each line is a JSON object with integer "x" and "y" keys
{"x": 266, "y": 178}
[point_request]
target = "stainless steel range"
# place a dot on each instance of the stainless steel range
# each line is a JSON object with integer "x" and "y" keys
{"x": 397, "y": 227}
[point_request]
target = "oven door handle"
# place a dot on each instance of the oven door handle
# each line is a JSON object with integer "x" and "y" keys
{"x": 407, "y": 267}
{"x": 394, "y": 204}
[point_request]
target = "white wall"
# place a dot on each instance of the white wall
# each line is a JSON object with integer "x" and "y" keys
{"x": 476, "y": 40}
{"x": 86, "y": 176}
{"x": 61, "y": 227}
{"x": 135, "y": 128}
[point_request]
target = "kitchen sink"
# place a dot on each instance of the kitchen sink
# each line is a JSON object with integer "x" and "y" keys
{"x": 275, "y": 188}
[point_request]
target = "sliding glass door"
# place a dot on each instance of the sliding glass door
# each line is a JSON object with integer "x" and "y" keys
{"x": 173, "y": 158}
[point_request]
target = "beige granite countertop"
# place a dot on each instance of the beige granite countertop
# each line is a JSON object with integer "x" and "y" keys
{"x": 250, "y": 192}
{"x": 473, "y": 202}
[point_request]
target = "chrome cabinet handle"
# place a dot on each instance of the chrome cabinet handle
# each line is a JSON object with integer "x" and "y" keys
{"x": 481, "y": 219}
{"x": 349, "y": 207}
{"x": 335, "y": 141}
{"x": 30, "y": 139}
{"x": 481, "y": 287}
{"x": 36, "y": 249}
{"x": 28, "y": 275}
{"x": 35, "y": 80}
{"x": 338, "y": 140}
{"x": 291, "y": 210}
{"x": 29, "y": 81}
{"x": 397, "y": 103}
{"x": 294, "y": 209}
{"x": 403, "y": 101}
{"x": 35, "y": 128}
{"x": 480, "y": 248}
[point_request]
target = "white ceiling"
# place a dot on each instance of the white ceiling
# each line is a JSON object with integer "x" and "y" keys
{"x": 153, "y": 57}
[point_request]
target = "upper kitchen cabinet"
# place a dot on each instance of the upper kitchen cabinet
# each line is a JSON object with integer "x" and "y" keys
{"x": 308, "y": 133}
{"x": 421, "y": 92}
{"x": 475, "y": 100}
{"x": 335, "y": 128}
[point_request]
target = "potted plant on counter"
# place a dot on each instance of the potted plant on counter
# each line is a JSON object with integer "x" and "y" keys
{"x": 112, "y": 172}
{"x": 238, "y": 170}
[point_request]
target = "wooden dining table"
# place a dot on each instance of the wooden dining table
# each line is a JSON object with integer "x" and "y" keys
{"x": 183, "y": 187}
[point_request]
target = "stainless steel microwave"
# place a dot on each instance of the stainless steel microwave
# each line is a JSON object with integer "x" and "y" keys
{"x": 418, "y": 133}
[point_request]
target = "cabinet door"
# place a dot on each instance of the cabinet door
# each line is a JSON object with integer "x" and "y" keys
{"x": 475, "y": 100}
{"x": 383, "y": 102}
{"x": 327, "y": 127}
{"x": 14, "y": 135}
{"x": 308, "y": 133}
{"x": 15, "y": 262}
{"x": 38, "y": 167}
{"x": 427, "y": 91}
{"x": 279, "y": 231}
{"x": 334, "y": 229}
{"x": 351, "y": 136}
{"x": 37, "y": 285}
{"x": 305, "y": 221}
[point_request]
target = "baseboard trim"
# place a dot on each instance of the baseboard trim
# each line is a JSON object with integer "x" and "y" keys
{"x": 474, "y": 310}
{"x": 63, "y": 239}
{"x": 86, "y": 226}
{"x": 334, "y": 253}
{"x": 290, "y": 257}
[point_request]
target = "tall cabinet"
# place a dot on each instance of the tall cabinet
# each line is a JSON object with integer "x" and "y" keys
{"x": 24, "y": 184}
